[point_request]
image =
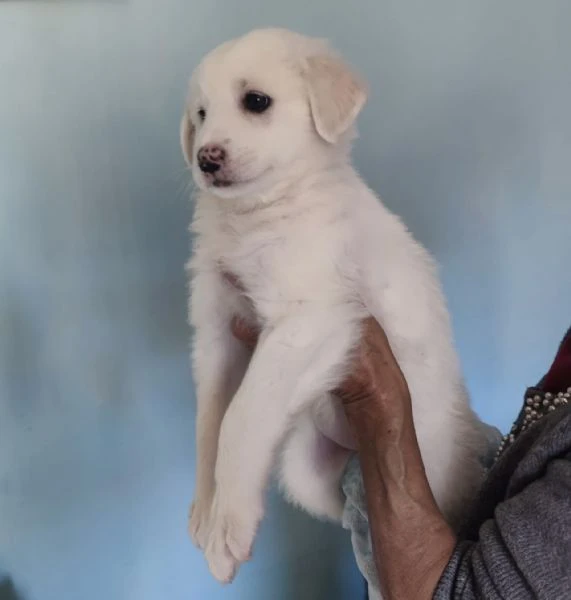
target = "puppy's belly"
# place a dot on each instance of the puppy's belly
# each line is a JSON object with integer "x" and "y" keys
{"x": 329, "y": 418}
{"x": 312, "y": 464}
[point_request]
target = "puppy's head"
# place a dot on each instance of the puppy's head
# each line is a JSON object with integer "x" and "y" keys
{"x": 264, "y": 107}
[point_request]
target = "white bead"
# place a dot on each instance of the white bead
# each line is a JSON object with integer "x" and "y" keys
{"x": 529, "y": 401}
{"x": 551, "y": 408}
{"x": 545, "y": 403}
{"x": 557, "y": 401}
{"x": 549, "y": 395}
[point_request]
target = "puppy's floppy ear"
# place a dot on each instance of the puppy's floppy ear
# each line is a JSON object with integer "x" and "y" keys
{"x": 186, "y": 137}
{"x": 336, "y": 95}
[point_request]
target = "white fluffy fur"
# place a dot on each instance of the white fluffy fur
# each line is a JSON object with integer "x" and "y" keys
{"x": 316, "y": 251}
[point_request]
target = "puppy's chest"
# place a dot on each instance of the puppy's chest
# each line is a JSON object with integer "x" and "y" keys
{"x": 250, "y": 256}
{"x": 281, "y": 269}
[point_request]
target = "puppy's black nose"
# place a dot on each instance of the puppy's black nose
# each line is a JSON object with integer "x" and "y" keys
{"x": 211, "y": 158}
{"x": 208, "y": 167}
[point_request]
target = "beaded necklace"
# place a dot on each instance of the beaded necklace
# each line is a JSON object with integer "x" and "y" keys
{"x": 537, "y": 405}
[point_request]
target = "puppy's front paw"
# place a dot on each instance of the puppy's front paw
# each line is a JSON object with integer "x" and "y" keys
{"x": 198, "y": 523}
{"x": 231, "y": 537}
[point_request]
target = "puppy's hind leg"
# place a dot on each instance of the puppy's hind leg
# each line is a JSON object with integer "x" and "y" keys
{"x": 311, "y": 469}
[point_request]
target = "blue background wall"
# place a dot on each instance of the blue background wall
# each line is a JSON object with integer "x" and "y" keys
{"x": 467, "y": 135}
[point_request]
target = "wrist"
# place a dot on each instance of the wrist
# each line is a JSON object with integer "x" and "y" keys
{"x": 380, "y": 417}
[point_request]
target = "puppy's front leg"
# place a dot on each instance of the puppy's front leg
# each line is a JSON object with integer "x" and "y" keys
{"x": 296, "y": 361}
{"x": 219, "y": 363}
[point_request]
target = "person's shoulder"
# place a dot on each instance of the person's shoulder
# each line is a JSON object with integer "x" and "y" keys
{"x": 550, "y": 438}
{"x": 545, "y": 440}
{"x": 556, "y": 427}
{"x": 555, "y": 434}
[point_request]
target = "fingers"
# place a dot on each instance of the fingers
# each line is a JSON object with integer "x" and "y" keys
{"x": 244, "y": 332}
{"x": 374, "y": 368}
{"x": 241, "y": 330}
{"x": 373, "y": 332}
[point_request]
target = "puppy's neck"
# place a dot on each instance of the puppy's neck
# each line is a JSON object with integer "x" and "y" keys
{"x": 293, "y": 185}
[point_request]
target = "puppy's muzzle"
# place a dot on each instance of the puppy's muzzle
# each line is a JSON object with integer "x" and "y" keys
{"x": 211, "y": 158}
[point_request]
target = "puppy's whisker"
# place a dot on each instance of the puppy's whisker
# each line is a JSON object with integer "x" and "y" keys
{"x": 186, "y": 186}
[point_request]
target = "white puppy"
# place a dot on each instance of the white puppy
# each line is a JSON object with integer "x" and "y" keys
{"x": 267, "y": 132}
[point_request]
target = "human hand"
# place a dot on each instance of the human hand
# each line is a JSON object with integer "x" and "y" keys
{"x": 375, "y": 376}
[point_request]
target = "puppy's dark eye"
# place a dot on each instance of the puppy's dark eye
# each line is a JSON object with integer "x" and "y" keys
{"x": 255, "y": 102}
{"x": 201, "y": 114}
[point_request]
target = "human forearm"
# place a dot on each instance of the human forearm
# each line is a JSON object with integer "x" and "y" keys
{"x": 411, "y": 540}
